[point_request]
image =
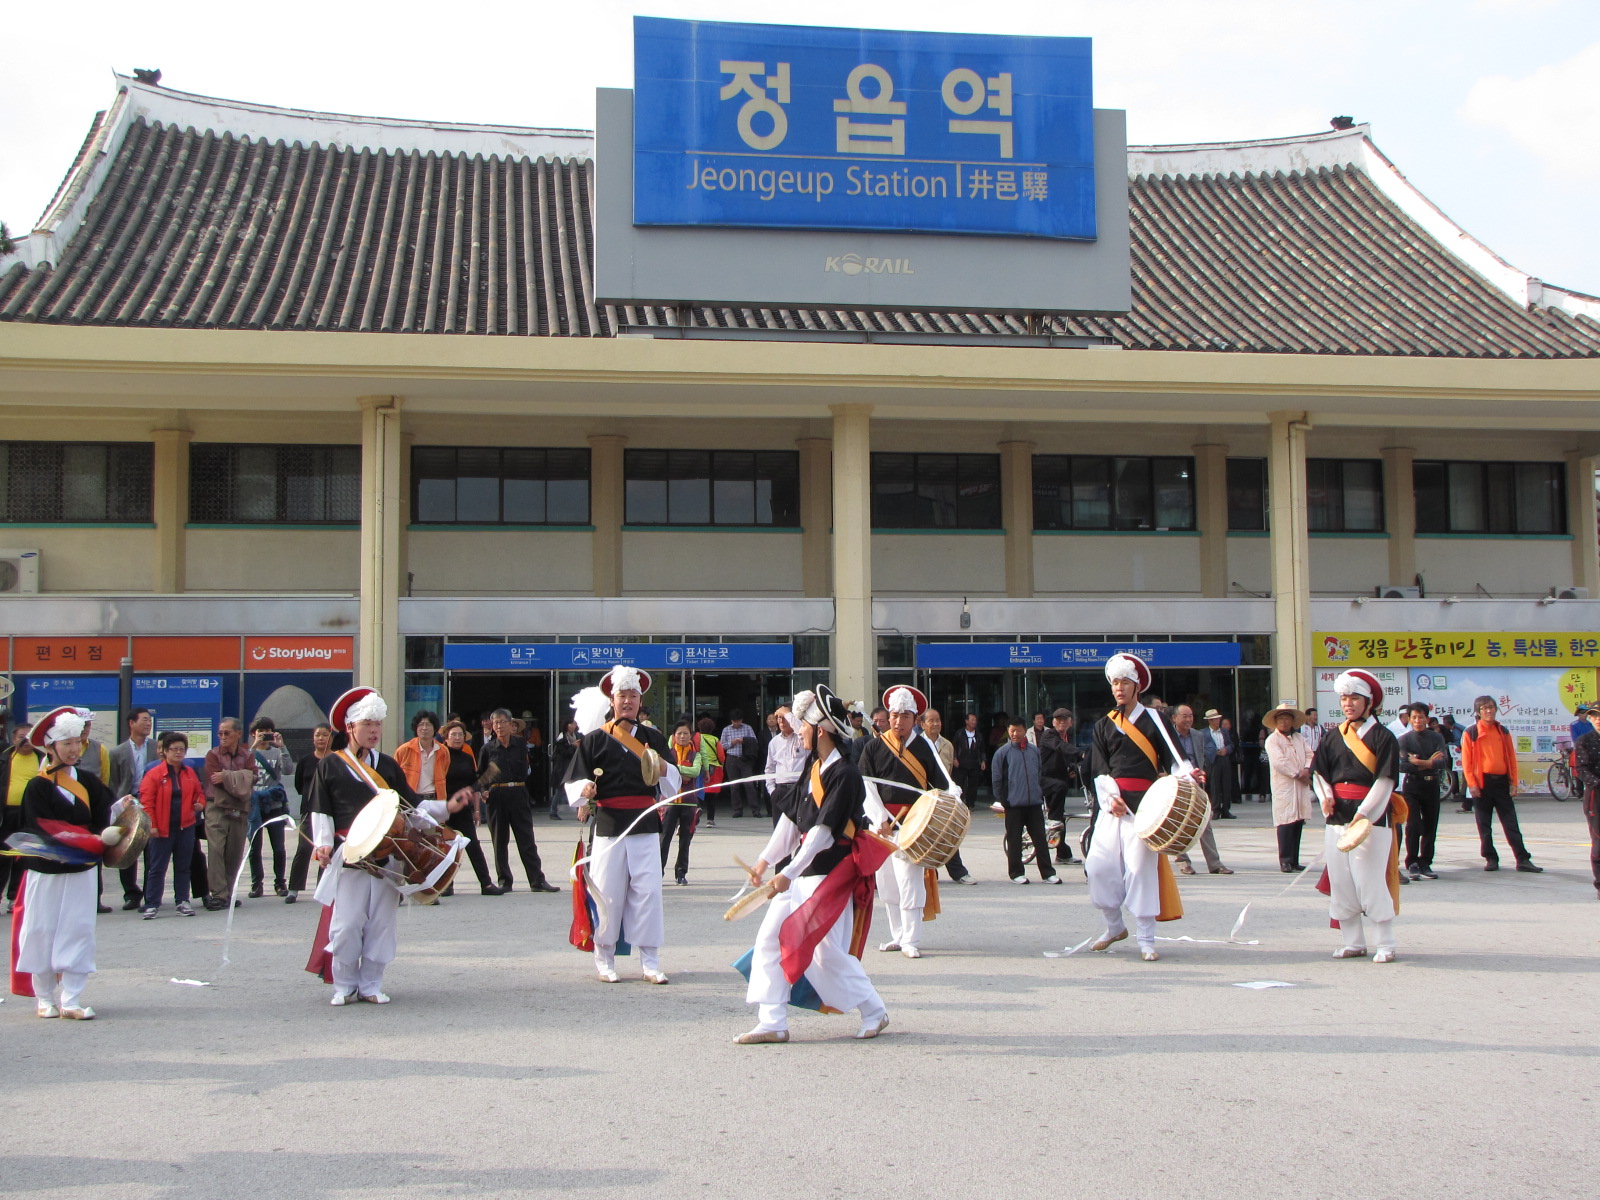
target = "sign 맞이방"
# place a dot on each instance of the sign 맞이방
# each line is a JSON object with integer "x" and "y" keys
{"x": 780, "y": 126}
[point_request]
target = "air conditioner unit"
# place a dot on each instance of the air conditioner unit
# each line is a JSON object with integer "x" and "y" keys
{"x": 1572, "y": 593}
{"x": 19, "y": 572}
{"x": 1399, "y": 593}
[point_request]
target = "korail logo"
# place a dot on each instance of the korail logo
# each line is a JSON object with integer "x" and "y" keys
{"x": 856, "y": 264}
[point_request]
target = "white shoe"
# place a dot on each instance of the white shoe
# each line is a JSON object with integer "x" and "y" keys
{"x": 71, "y": 1012}
{"x": 871, "y": 1029}
{"x": 910, "y": 951}
{"x": 607, "y": 974}
{"x": 1020, "y": 879}
{"x": 889, "y": 947}
{"x": 1384, "y": 956}
{"x": 375, "y": 998}
{"x": 654, "y": 975}
{"x": 47, "y": 1010}
{"x": 762, "y": 1037}
{"x": 1056, "y": 878}
{"x": 1148, "y": 953}
{"x": 340, "y": 999}
{"x": 1351, "y": 952}
{"x": 968, "y": 880}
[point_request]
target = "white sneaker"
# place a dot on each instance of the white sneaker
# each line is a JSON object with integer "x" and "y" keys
{"x": 607, "y": 974}
{"x": 47, "y": 1010}
{"x": 71, "y": 1012}
{"x": 654, "y": 975}
{"x": 889, "y": 947}
{"x": 1056, "y": 878}
{"x": 968, "y": 880}
{"x": 1384, "y": 956}
{"x": 340, "y": 999}
{"x": 910, "y": 951}
{"x": 1020, "y": 879}
{"x": 375, "y": 998}
{"x": 1351, "y": 952}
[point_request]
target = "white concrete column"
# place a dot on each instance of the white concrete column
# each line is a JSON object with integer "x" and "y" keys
{"x": 1291, "y": 565}
{"x": 1016, "y": 515}
{"x": 1400, "y": 514}
{"x": 380, "y": 655}
{"x": 816, "y": 514}
{"x": 171, "y": 504}
{"x": 854, "y": 652}
{"x": 1211, "y": 516}
{"x": 1582, "y": 523}
{"x": 606, "y": 510}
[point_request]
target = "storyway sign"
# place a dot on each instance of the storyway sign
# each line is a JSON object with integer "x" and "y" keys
{"x": 801, "y": 128}
{"x": 780, "y": 165}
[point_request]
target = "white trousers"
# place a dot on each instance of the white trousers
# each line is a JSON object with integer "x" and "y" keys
{"x": 837, "y": 975}
{"x": 57, "y": 934}
{"x": 904, "y": 892}
{"x": 1122, "y": 871}
{"x": 626, "y": 876}
{"x": 364, "y": 931}
{"x": 1358, "y": 883}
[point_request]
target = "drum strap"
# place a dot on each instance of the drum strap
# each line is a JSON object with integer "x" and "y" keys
{"x": 363, "y": 772}
{"x": 1356, "y": 746}
{"x": 907, "y": 760}
{"x": 616, "y": 730}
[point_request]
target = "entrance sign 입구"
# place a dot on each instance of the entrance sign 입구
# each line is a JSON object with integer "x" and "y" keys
{"x": 809, "y": 128}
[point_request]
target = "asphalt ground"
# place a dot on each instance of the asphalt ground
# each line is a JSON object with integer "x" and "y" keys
{"x": 503, "y": 1068}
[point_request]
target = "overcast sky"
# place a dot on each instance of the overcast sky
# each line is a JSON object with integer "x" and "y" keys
{"x": 1491, "y": 107}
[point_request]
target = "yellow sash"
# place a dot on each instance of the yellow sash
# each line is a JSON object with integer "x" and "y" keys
{"x": 1356, "y": 746}
{"x": 363, "y": 772}
{"x": 818, "y": 792}
{"x": 908, "y": 761}
{"x": 68, "y": 784}
{"x": 1134, "y": 734}
{"x": 634, "y": 745}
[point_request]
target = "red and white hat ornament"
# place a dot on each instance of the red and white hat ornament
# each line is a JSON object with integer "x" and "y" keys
{"x": 1128, "y": 666}
{"x": 625, "y": 679}
{"x": 1357, "y": 682}
{"x": 358, "y": 704}
{"x": 903, "y": 697}
{"x": 55, "y": 725}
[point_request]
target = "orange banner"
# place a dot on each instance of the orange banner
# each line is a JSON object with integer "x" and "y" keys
{"x": 69, "y": 654}
{"x": 186, "y": 654}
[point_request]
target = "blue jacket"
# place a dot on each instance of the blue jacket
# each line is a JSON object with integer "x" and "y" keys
{"x": 1016, "y": 776}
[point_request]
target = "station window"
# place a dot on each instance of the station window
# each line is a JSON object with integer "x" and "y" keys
{"x": 274, "y": 485}
{"x": 936, "y": 491}
{"x": 469, "y": 485}
{"x": 1344, "y": 495}
{"x": 48, "y": 482}
{"x": 1247, "y": 495}
{"x": 1490, "y": 497}
{"x": 712, "y": 487}
{"x": 1092, "y": 491}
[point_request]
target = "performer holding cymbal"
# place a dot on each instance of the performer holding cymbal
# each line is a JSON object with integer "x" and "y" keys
{"x": 1132, "y": 746}
{"x": 615, "y": 771}
{"x": 1353, "y": 773}
{"x": 903, "y": 755}
{"x": 813, "y": 932}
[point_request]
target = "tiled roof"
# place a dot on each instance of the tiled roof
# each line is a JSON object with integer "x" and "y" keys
{"x": 201, "y": 229}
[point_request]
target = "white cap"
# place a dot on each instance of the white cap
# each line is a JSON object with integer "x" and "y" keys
{"x": 370, "y": 707}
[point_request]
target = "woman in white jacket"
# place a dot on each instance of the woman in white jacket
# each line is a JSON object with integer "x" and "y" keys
{"x": 1292, "y": 803}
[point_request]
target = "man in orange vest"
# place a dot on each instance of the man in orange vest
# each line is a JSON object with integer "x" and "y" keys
{"x": 1489, "y": 761}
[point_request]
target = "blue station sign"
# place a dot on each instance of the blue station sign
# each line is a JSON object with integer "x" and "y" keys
{"x": 1059, "y": 656}
{"x": 602, "y": 656}
{"x": 789, "y": 127}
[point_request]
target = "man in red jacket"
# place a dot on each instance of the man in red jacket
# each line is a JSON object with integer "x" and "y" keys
{"x": 1489, "y": 761}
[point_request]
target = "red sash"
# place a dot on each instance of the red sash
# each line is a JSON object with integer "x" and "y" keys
{"x": 1350, "y": 791}
{"x": 630, "y": 803}
{"x": 1132, "y": 785}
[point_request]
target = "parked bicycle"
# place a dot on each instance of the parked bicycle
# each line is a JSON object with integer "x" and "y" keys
{"x": 1558, "y": 777}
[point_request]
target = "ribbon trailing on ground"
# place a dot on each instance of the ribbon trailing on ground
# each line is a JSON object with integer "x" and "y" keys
{"x": 233, "y": 894}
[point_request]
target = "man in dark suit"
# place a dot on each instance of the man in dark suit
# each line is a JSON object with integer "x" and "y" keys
{"x": 1060, "y": 763}
{"x": 972, "y": 757}
{"x": 1221, "y": 780}
{"x": 128, "y": 763}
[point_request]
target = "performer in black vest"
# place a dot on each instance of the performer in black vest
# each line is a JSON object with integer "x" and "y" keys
{"x": 615, "y": 773}
{"x": 1353, "y": 773}
{"x": 902, "y": 755}
{"x": 825, "y": 863}
{"x": 356, "y": 937}
{"x": 65, "y": 817}
{"x": 1132, "y": 745}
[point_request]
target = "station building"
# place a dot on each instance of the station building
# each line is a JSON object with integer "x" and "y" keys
{"x": 291, "y": 398}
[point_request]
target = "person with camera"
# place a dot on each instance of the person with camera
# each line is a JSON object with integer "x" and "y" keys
{"x": 268, "y": 800}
